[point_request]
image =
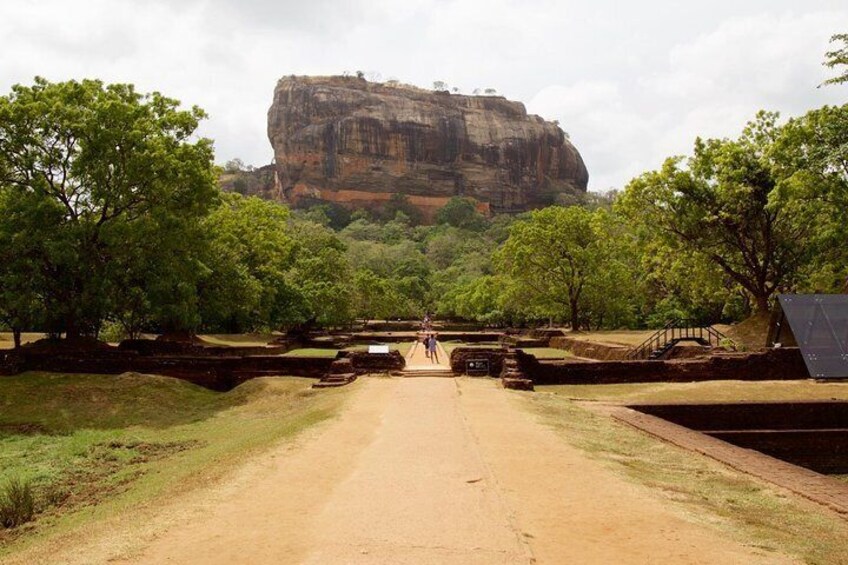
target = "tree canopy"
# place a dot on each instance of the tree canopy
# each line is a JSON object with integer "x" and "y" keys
{"x": 720, "y": 204}
{"x": 110, "y": 213}
{"x": 97, "y": 165}
{"x": 838, "y": 59}
{"x": 559, "y": 256}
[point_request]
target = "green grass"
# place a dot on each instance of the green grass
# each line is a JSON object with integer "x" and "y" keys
{"x": 449, "y": 346}
{"x": 710, "y": 391}
{"x": 707, "y": 491}
{"x": 539, "y": 352}
{"x": 547, "y": 352}
{"x": 7, "y": 341}
{"x": 94, "y": 445}
{"x": 239, "y": 340}
{"x": 403, "y": 348}
{"x": 620, "y": 337}
{"x": 311, "y": 352}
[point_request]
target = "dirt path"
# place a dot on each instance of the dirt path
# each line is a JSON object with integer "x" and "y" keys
{"x": 435, "y": 470}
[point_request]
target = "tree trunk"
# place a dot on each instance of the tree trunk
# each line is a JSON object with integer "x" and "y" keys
{"x": 72, "y": 330}
{"x": 575, "y": 317}
{"x": 16, "y": 335}
{"x": 761, "y": 303}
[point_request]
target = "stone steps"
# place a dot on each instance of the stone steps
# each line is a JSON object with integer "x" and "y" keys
{"x": 428, "y": 373}
{"x": 334, "y": 380}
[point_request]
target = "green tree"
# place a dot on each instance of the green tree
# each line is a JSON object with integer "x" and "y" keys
{"x": 480, "y": 299}
{"x": 811, "y": 157}
{"x": 249, "y": 257}
{"x": 108, "y": 158}
{"x": 462, "y": 213}
{"x": 838, "y": 58}
{"x": 322, "y": 275}
{"x": 553, "y": 257}
{"x": 376, "y": 297}
{"x": 26, "y": 223}
{"x": 722, "y": 203}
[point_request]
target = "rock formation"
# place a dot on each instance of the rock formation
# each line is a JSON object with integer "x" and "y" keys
{"x": 357, "y": 143}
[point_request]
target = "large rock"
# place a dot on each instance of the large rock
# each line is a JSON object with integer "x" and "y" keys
{"x": 358, "y": 143}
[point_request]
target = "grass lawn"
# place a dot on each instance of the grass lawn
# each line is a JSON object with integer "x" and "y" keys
{"x": 449, "y": 346}
{"x": 403, "y": 348}
{"x": 747, "y": 509}
{"x": 710, "y": 391}
{"x": 7, "y": 341}
{"x": 93, "y": 446}
{"x": 620, "y": 337}
{"x": 311, "y": 352}
{"x": 239, "y": 340}
{"x": 547, "y": 352}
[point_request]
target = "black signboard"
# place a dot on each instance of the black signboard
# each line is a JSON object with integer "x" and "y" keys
{"x": 477, "y": 367}
{"x": 820, "y": 325}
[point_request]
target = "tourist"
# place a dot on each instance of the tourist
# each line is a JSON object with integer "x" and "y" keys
{"x": 427, "y": 346}
{"x": 431, "y": 348}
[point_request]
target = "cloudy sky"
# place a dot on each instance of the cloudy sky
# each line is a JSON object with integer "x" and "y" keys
{"x": 631, "y": 82}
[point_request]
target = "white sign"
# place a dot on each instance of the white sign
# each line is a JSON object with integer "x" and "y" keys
{"x": 378, "y": 349}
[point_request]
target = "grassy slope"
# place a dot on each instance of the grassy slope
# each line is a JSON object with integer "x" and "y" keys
{"x": 95, "y": 445}
{"x": 708, "y": 491}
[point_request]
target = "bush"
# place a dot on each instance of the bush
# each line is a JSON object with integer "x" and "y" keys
{"x": 112, "y": 332}
{"x": 17, "y": 503}
{"x": 731, "y": 345}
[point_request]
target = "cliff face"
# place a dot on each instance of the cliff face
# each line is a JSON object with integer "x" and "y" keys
{"x": 346, "y": 140}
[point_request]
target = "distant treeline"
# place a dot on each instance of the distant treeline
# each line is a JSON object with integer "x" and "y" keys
{"x": 111, "y": 220}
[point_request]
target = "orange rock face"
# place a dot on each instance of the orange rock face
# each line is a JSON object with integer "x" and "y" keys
{"x": 356, "y": 143}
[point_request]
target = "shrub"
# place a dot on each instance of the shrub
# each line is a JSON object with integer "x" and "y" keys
{"x": 731, "y": 345}
{"x": 112, "y": 332}
{"x": 17, "y": 503}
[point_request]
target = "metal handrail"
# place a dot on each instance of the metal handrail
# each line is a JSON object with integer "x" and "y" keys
{"x": 685, "y": 330}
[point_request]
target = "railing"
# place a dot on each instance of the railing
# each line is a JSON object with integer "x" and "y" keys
{"x": 674, "y": 332}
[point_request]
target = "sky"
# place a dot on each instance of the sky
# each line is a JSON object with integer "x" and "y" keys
{"x": 631, "y": 82}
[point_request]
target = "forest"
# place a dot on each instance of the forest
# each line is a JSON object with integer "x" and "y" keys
{"x": 112, "y": 224}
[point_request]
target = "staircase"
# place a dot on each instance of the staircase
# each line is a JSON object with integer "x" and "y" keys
{"x": 661, "y": 341}
{"x": 341, "y": 373}
{"x": 512, "y": 376}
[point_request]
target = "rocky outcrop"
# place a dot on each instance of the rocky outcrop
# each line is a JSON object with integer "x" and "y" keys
{"x": 360, "y": 144}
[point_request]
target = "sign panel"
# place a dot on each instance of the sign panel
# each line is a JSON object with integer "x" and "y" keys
{"x": 477, "y": 367}
{"x": 378, "y": 349}
{"x": 820, "y": 325}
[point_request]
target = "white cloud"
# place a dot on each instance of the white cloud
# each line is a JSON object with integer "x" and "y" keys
{"x": 709, "y": 87}
{"x": 631, "y": 82}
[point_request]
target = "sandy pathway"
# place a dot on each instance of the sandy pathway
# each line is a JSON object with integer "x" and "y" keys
{"x": 435, "y": 470}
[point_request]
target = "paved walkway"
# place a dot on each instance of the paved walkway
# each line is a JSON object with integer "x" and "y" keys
{"x": 418, "y": 361}
{"x": 432, "y": 470}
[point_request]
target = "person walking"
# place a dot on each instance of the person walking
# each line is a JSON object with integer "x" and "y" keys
{"x": 432, "y": 348}
{"x": 426, "y": 346}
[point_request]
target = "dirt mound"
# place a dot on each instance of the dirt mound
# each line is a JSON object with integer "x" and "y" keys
{"x": 751, "y": 333}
